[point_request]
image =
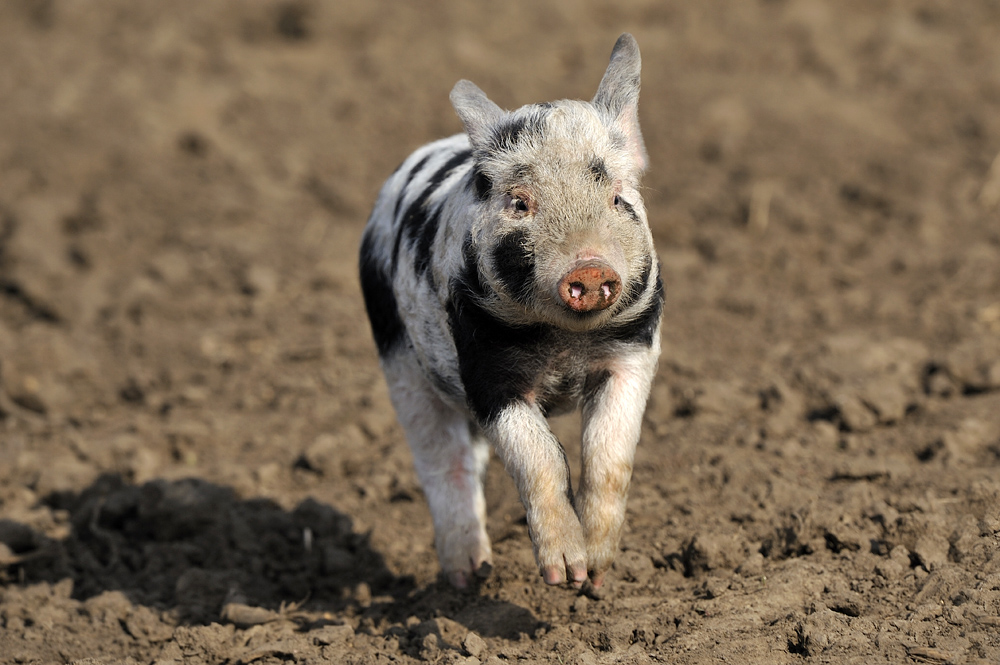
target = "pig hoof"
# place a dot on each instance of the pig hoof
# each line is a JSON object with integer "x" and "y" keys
{"x": 462, "y": 579}
{"x": 557, "y": 574}
{"x": 597, "y": 578}
{"x": 465, "y": 562}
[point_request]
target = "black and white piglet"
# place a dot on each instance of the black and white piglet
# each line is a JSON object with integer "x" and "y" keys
{"x": 509, "y": 274}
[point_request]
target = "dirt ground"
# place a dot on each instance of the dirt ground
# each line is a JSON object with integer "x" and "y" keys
{"x": 198, "y": 459}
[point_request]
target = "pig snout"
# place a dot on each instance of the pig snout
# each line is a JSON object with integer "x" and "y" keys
{"x": 590, "y": 286}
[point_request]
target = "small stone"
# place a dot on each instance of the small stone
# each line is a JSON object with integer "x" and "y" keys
{"x": 474, "y": 645}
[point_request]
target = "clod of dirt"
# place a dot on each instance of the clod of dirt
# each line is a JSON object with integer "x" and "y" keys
{"x": 931, "y": 550}
{"x": 711, "y": 551}
{"x": 474, "y": 645}
{"x": 976, "y": 364}
{"x": 243, "y": 615}
{"x": 342, "y": 634}
{"x": 634, "y": 566}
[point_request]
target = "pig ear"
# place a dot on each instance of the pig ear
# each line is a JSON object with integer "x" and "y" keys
{"x": 618, "y": 96}
{"x": 478, "y": 113}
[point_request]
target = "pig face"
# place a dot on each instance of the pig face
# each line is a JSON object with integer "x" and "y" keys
{"x": 560, "y": 233}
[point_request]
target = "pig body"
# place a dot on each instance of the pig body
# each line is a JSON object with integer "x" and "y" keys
{"x": 509, "y": 274}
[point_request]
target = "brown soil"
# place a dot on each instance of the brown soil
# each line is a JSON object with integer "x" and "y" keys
{"x": 198, "y": 459}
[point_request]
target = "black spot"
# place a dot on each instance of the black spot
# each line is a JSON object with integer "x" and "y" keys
{"x": 636, "y": 287}
{"x": 481, "y": 183}
{"x": 497, "y": 362}
{"x": 593, "y": 384}
{"x": 629, "y": 210}
{"x": 515, "y": 265}
{"x": 383, "y": 312}
{"x": 511, "y": 130}
{"x": 599, "y": 171}
{"x": 418, "y": 223}
{"x": 422, "y": 248}
{"x": 641, "y": 329}
{"x": 406, "y": 185}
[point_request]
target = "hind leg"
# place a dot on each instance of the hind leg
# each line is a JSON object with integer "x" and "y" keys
{"x": 450, "y": 457}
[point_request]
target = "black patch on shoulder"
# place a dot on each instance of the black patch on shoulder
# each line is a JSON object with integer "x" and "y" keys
{"x": 481, "y": 182}
{"x": 383, "y": 312}
{"x": 641, "y": 329}
{"x": 420, "y": 224}
{"x": 497, "y": 362}
{"x": 599, "y": 171}
{"x": 515, "y": 265}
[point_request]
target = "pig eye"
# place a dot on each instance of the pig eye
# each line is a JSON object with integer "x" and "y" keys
{"x": 518, "y": 205}
{"x": 617, "y": 201}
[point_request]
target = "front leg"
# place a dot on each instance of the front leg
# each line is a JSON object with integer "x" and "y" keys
{"x": 537, "y": 462}
{"x": 612, "y": 418}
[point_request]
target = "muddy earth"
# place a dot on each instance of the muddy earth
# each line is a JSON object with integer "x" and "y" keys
{"x": 198, "y": 459}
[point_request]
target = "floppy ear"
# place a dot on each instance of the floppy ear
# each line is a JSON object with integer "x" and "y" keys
{"x": 478, "y": 113}
{"x": 618, "y": 96}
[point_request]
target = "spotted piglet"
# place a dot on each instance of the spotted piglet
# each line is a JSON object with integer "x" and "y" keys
{"x": 509, "y": 274}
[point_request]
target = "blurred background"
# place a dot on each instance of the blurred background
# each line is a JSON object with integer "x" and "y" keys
{"x": 182, "y": 191}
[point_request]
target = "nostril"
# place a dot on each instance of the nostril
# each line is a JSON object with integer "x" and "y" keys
{"x": 606, "y": 289}
{"x": 576, "y": 289}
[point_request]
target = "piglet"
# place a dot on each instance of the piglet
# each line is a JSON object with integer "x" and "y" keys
{"x": 509, "y": 274}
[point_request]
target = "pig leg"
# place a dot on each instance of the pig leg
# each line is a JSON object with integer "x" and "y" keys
{"x": 450, "y": 460}
{"x": 537, "y": 463}
{"x": 612, "y": 417}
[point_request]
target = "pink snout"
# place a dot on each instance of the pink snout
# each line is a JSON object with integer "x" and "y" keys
{"x": 592, "y": 285}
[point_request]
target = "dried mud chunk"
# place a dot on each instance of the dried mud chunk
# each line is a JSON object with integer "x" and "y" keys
{"x": 474, "y": 645}
{"x": 855, "y": 415}
{"x": 145, "y": 624}
{"x": 785, "y": 409}
{"x": 867, "y": 381}
{"x": 243, "y": 615}
{"x": 635, "y": 566}
{"x": 110, "y": 607}
{"x": 976, "y": 364}
{"x": 931, "y": 550}
{"x": 332, "y": 635}
{"x": 888, "y": 398}
{"x": 752, "y": 566}
{"x": 829, "y": 632}
{"x": 706, "y": 552}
